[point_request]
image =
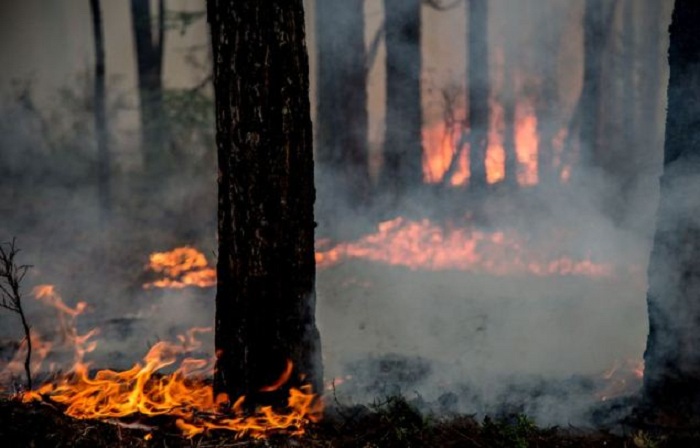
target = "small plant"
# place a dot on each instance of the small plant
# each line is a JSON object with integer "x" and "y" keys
{"x": 11, "y": 276}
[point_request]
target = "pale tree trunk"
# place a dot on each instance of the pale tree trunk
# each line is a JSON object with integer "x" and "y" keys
{"x": 265, "y": 296}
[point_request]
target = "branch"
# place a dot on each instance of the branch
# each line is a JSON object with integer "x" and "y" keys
{"x": 11, "y": 276}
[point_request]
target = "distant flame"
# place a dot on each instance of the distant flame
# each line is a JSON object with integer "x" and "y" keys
{"x": 425, "y": 245}
{"x": 180, "y": 268}
{"x": 624, "y": 377}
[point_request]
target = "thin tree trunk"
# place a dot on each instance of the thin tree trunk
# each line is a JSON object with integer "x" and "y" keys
{"x": 342, "y": 95}
{"x": 403, "y": 148}
{"x": 149, "y": 62}
{"x": 479, "y": 90}
{"x": 265, "y": 293}
{"x": 672, "y": 357}
{"x": 100, "y": 112}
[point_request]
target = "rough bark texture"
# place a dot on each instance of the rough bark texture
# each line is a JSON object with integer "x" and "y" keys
{"x": 149, "y": 63}
{"x": 479, "y": 90}
{"x": 100, "y": 110}
{"x": 265, "y": 296}
{"x": 403, "y": 148}
{"x": 342, "y": 117}
{"x": 672, "y": 357}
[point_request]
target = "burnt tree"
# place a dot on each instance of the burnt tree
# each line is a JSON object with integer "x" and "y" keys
{"x": 672, "y": 357}
{"x": 403, "y": 147}
{"x": 149, "y": 48}
{"x": 100, "y": 110}
{"x": 479, "y": 90}
{"x": 265, "y": 295}
{"x": 342, "y": 117}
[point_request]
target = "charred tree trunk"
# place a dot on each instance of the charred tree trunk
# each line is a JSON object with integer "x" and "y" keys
{"x": 342, "y": 118}
{"x": 403, "y": 148}
{"x": 265, "y": 293}
{"x": 479, "y": 90}
{"x": 149, "y": 62}
{"x": 672, "y": 357}
{"x": 594, "y": 31}
{"x": 100, "y": 111}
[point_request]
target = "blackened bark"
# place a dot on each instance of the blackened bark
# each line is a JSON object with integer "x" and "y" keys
{"x": 403, "y": 148}
{"x": 342, "y": 118}
{"x": 100, "y": 111}
{"x": 265, "y": 293}
{"x": 593, "y": 41}
{"x": 149, "y": 63}
{"x": 479, "y": 90}
{"x": 672, "y": 357}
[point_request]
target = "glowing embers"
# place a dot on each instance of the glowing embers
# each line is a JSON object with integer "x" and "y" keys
{"x": 623, "y": 378}
{"x": 180, "y": 268}
{"x": 427, "y": 246}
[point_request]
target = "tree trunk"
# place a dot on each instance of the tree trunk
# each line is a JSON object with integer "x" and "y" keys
{"x": 100, "y": 112}
{"x": 479, "y": 91}
{"x": 672, "y": 357}
{"x": 149, "y": 62}
{"x": 265, "y": 292}
{"x": 403, "y": 148}
{"x": 594, "y": 31}
{"x": 342, "y": 118}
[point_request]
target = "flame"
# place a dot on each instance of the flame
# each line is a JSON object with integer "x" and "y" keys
{"x": 440, "y": 147}
{"x": 180, "y": 268}
{"x": 184, "y": 394}
{"x": 425, "y": 245}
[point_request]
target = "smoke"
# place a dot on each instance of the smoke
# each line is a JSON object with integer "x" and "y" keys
{"x": 461, "y": 341}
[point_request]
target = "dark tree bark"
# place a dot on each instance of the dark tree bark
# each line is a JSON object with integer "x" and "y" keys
{"x": 593, "y": 42}
{"x": 265, "y": 292}
{"x": 672, "y": 357}
{"x": 149, "y": 62}
{"x": 403, "y": 147}
{"x": 100, "y": 111}
{"x": 479, "y": 90}
{"x": 342, "y": 118}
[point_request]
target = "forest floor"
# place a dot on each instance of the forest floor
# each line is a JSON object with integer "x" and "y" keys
{"x": 392, "y": 423}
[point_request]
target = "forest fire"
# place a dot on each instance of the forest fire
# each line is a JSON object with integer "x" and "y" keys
{"x": 146, "y": 390}
{"x": 440, "y": 143}
{"x": 623, "y": 378}
{"x": 428, "y": 246}
{"x": 180, "y": 268}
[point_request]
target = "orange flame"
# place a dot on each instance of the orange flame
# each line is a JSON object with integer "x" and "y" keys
{"x": 180, "y": 268}
{"x": 184, "y": 394}
{"x": 425, "y": 245}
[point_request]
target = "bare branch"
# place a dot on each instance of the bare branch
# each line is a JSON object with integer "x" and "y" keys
{"x": 11, "y": 276}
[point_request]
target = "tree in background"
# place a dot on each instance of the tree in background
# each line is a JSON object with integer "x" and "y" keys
{"x": 672, "y": 357}
{"x": 266, "y": 269}
{"x": 100, "y": 110}
{"x": 342, "y": 118}
{"x": 403, "y": 148}
{"x": 479, "y": 90}
{"x": 149, "y": 62}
